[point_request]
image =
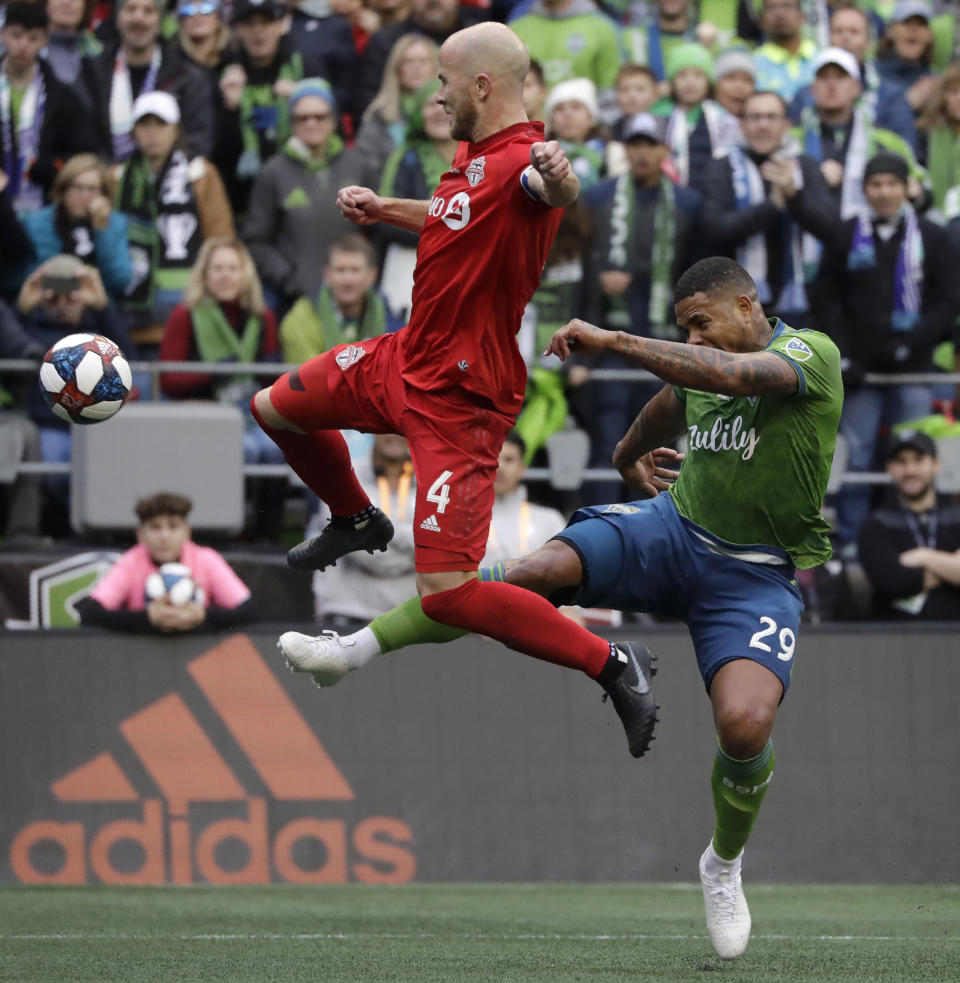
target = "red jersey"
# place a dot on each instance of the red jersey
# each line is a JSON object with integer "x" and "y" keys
{"x": 482, "y": 250}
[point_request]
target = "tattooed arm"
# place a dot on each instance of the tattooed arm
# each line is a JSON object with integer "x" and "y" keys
{"x": 639, "y": 456}
{"x": 693, "y": 366}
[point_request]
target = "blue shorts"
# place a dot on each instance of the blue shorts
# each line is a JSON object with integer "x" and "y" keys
{"x": 646, "y": 557}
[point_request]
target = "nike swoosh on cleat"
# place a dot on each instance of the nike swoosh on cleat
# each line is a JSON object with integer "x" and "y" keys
{"x": 642, "y": 686}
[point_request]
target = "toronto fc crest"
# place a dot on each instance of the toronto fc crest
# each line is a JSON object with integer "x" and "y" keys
{"x": 474, "y": 171}
{"x": 350, "y": 356}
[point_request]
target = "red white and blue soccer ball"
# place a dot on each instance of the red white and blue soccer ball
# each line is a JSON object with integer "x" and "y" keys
{"x": 174, "y": 583}
{"x": 85, "y": 378}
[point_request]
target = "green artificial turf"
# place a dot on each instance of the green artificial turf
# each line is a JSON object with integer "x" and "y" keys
{"x": 449, "y": 933}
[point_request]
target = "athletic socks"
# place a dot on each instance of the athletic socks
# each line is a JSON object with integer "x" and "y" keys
{"x": 356, "y": 521}
{"x": 406, "y": 624}
{"x": 321, "y": 458}
{"x": 738, "y": 791}
{"x": 522, "y": 620}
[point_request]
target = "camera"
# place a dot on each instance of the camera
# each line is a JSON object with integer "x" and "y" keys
{"x": 60, "y": 284}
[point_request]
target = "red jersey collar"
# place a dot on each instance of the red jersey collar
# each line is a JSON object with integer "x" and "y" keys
{"x": 475, "y": 149}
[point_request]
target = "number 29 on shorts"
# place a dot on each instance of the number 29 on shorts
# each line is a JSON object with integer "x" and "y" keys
{"x": 786, "y": 638}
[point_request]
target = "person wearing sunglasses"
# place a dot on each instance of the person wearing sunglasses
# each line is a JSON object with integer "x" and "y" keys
{"x": 203, "y": 36}
{"x": 293, "y": 217}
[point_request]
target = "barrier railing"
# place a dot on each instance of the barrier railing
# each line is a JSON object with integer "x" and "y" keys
{"x": 156, "y": 368}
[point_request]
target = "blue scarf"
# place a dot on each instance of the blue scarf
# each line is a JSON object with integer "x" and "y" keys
{"x": 908, "y": 275}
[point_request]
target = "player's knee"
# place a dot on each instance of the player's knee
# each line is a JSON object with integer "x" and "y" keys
{"x": 552, "y": 567}
{"x": 266, "y": 414}
{"x": 744, "y": 728}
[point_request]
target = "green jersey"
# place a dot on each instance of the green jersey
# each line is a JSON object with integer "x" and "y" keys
{"x": 757, "y": 466}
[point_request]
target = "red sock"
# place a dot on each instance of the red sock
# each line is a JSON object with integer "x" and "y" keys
{"x": 522, "y": 620}
{"x": 322, "y": 460}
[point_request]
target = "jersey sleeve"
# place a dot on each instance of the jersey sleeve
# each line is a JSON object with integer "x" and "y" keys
{"x": 113, "y": 592}
{"x": 815, "y": 359}
{"x": 226, "y": 589}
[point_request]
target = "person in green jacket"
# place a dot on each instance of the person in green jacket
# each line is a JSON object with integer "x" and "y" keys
{"x": 347, "y": 307}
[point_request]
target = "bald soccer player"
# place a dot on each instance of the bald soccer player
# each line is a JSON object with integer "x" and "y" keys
{"x": 452, "y": 381}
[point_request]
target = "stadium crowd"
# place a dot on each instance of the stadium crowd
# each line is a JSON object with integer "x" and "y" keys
{"x": 176, "y": 166}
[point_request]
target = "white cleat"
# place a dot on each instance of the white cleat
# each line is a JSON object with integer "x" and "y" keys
{"x": 728, "y": 917}
{"x": 321, "y": 655}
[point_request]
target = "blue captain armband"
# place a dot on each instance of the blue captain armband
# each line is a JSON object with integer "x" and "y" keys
{"x": 525, "y": 184}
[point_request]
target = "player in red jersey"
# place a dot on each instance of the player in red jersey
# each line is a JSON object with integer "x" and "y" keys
{"x": 453, "y": 380}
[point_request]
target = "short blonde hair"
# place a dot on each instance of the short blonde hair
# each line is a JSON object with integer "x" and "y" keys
{"x": 251, "y": 293}
{"x": 73, "y": 168}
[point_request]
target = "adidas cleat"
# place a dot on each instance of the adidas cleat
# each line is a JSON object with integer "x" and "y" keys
{"x": 321, "y": 655}
{"x": 728, "y": 917}
{"x": 632, "y": 697}
{"x": 324, "y": 550}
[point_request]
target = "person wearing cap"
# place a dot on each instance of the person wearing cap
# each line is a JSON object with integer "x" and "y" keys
{"x": 172, "y": 203}
{"x": 293, "y": 216}
{"x": 572, "y": 113}
{"x": 138, "y": 64}
{"x": 204, "y": 38}
{"x": 766, "y": 205}
{"x": 838, "y": 131}
{"x": 698, "y": 128}
{"x": 253, "y": 118}
{"x": 888, "y": 293}
{"x": 572, "y": 39}
{"x": 647, "y": 230}
{"x": 850, "y": 29}
{"x": 785, "y": 60}
{"x": 909, "y": 546}
{"x": 735, "y": 79}
{"x": 43, "y": 121}
{"x": 905, "y": 52}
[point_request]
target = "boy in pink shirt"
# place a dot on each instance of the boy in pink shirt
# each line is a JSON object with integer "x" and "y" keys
{"x": 163, "y": 536}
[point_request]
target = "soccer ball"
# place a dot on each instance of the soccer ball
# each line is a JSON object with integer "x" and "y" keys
{"x": 173, "y": 582}
{"x": 85, "y": 378}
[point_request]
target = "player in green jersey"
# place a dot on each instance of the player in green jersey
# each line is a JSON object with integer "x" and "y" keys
{"x": 717, "y": 548}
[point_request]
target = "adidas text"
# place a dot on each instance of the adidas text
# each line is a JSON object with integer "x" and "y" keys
{"x": 430, "y": 523}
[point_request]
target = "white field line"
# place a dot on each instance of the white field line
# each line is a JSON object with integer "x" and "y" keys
{"x": 467, "y": 936}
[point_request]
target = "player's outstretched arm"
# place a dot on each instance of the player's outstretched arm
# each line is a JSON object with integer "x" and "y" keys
{"x": 693, "y": 366}
{"x": 552, "y": 178}
{"x": 364, "y": 207}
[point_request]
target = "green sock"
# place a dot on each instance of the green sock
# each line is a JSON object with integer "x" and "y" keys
{"x": 406, "y": 624}
{"x": 738, "y": 790}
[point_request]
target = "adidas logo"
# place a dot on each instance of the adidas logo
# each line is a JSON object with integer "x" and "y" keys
{"x": 297, "y": 199}
{"x": 431, "y": 524}
{"x": 172, "y": 841}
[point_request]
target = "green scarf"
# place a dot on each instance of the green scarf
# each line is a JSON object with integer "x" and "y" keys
{"x": 218, "y": 342}
{"x": 432, "y": 165}
{"x": 944, "y": 162}
{"x": 338, "y": 330}
{"x": 622, "y": 255}
{"x": 296, "y": 149}
{"x": 255, "y": 96}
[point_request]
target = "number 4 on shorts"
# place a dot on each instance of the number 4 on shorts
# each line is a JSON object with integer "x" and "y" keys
{"x": 440, "y": 492}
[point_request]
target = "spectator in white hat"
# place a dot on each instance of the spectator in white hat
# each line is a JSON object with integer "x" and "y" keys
{"x": 572, "y": 113}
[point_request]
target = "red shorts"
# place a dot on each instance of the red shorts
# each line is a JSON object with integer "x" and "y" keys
{"x": 454, "y": 438}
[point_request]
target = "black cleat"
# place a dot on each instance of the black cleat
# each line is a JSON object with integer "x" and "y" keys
{"x": 324, "y": 550}
{"x": 632, "y": 697}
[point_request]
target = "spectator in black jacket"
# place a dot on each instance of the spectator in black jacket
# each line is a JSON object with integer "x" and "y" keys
{"x": 437, "y": 19}
{"x": 42, "y": 119}
{"x": 910, "y": 546}
{"x": 141, "y": 64}
{"x": 888, "y": 293}
{"x": 766, "y": 204}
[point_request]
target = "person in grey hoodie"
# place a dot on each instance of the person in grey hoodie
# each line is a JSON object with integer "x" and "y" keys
{"x": 293, "y": 216}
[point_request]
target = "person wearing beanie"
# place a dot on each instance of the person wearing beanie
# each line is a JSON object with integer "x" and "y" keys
{"x": 850, "y": 29}
{"x": 573, "y": 39}
{"x": 140, "y": 63}
{"x": 43, "y": 120}
{"x": 292, "y": 216}
{"x": 838, "y": 130}
{"x": 571, "y": 112}
{"x": 785, "y": 60}
{"x": 888, "y": 293}
{"x": 698, "y": 128}
{"x": 253, "y": 115}
{"x": 735, "y": 79}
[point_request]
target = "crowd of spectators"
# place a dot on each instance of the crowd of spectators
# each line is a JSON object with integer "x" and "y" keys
{"x": 180, "y": 159}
